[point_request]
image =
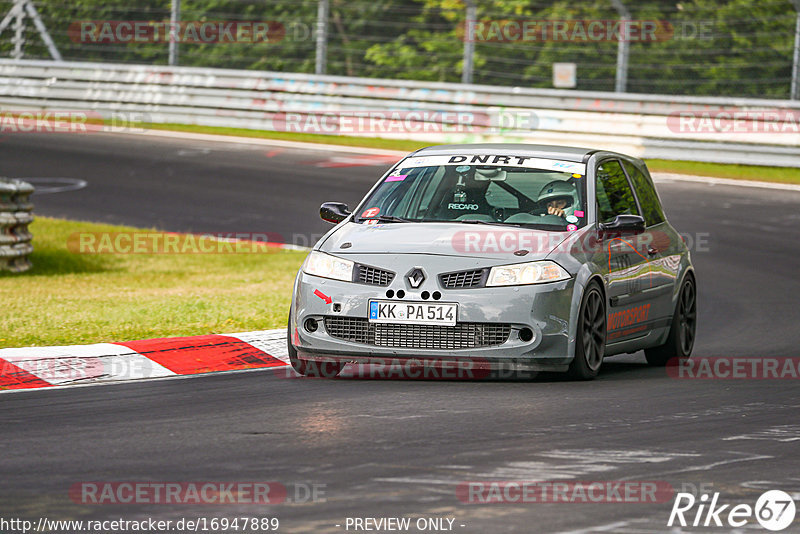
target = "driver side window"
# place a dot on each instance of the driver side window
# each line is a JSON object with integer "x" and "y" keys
{"x": 614, "y": 193}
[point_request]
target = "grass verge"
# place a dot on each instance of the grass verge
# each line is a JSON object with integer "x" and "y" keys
{"x": 364, "y": 142}
{"x": 784, "y": 175}
{"x": 70, "y": 298}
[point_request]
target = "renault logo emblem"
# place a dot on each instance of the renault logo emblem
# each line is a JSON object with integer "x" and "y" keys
{"x": 415, "y": 277}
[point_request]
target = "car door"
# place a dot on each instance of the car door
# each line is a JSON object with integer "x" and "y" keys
{"x": 628, "y": 269}
{"x": 659, "y": 240}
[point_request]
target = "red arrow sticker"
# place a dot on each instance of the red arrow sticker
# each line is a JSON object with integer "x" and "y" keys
{"x": 323, "y": 296}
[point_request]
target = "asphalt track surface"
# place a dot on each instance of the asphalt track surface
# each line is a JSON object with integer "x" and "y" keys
{"x": 396, "y": 447}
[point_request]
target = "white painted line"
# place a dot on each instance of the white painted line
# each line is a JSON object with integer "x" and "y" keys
{"x": 616, "y": 456}
{"x": 749, "y": 458}
{"x": 671, "y": 177}
{"x": 45, "y": 186}
{"x": 782, "y": 433}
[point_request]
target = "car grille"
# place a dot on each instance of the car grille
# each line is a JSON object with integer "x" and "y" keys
{"x": 417, "y": 336}
{"x": 463, "y": 279}
{"x": 373, "y": 276}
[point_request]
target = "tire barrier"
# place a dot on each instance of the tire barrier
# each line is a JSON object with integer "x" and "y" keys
{"x": 16, "y": 213}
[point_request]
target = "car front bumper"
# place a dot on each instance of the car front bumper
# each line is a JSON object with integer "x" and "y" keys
{"x": 545, "y": 309}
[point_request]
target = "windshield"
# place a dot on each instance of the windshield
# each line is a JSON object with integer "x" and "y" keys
{"x": 522, "y": 191}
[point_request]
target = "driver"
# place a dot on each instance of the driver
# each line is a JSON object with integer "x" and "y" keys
{"x": 560, "y": 197}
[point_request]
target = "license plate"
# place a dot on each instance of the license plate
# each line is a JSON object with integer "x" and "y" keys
{"x": 391, "y": 311}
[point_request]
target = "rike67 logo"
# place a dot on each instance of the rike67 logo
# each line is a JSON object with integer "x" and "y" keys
{"x": 774, "y": 510}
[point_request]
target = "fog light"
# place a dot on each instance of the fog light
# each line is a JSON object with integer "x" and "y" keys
{"x": 526, "y": 334}
{"x": 310, "y": 325}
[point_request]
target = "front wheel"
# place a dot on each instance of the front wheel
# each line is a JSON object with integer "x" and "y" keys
{"x": 590, "y": 342}
{"x": 680, "y": 340}
{"x": 307, "y": 367}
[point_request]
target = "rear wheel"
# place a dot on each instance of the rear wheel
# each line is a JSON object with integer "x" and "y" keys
{"x": 680, "y": 340}
{"x": 308, "y": 367}
{"x": 590, "y": 343}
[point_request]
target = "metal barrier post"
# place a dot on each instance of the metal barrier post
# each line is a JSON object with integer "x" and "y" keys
{"x": 19, "y": 30}
{"x": 623, "y": 47}
{"x": 174, "y": 21}
{"x": 793, "y": 92}
{"x": 323, "y": 9}
{"x": 469, "y": 42}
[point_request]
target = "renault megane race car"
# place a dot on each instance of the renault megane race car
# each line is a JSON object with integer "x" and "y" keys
{"x": 504, "y": 256}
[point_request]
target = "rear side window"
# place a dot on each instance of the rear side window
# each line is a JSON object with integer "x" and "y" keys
{"x": 652, "y": 211}
{"x": 614, "y": 194}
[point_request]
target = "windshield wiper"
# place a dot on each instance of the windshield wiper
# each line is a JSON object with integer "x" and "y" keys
{"x": 476, "y": 221}
{"x": 389, "y": 218}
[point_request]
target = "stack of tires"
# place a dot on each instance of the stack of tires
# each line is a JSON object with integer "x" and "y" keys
{"x": 16, "y": 213}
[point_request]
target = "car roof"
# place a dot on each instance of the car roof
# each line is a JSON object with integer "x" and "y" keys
{"x": 567, "y": 153}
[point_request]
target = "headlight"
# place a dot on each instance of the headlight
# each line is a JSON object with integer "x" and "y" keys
{"x": 327, "y": 266}
{"x": 534, "y": 272}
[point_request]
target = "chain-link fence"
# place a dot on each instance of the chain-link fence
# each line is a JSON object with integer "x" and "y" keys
{"x": 701, "y": 47}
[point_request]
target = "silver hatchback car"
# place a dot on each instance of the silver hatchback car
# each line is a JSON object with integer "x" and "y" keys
{"x": 497, "y": 257}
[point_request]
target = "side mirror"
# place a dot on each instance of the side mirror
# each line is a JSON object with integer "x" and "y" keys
{"x": 333, "y": 212}
{"x": 623, "y": 224}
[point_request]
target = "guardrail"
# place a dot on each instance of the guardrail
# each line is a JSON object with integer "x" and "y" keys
{"x": 765, "y": 132}
{"x": 15, "y": 216}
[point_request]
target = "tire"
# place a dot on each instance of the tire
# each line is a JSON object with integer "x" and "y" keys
{"x": 590, "y": 340}
{"x": 680, "y": 340}
{"x": 306, "y": 367}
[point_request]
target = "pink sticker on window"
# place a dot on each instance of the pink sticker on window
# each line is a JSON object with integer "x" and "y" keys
{"x": 578, "y": 213}
{"x": 398, "y": 178}
{"x": 571, "y": 227}
{"x": 372, "y": 212}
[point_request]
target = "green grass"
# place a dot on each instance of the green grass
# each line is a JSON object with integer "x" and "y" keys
{"x": 788, "y": 175}
{"x": 71, "y": 298}
{"x": 367, "y": 142}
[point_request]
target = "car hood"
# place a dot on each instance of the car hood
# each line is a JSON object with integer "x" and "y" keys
{"x": 444, "y": 239}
